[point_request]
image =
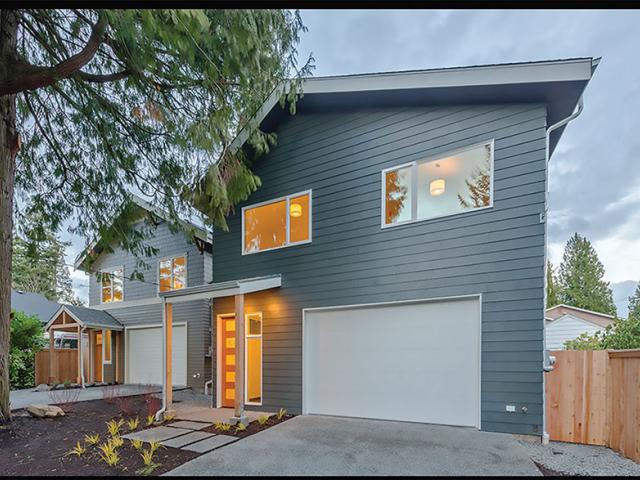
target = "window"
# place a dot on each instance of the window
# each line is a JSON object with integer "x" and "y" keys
{"x": 253, "y": 352}
{"x": 277, "y": 223}
{"x": 106, "y": 346}
{"x": 172, "y": 273}
{"x": 112, "y": 285}
{"x": 457, "y": 182}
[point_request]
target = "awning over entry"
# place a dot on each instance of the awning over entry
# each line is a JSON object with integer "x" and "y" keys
{"x": 222, "y": 289}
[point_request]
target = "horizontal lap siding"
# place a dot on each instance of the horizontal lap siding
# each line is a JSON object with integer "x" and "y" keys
{"x": 498, "y": 252}
{"x": 197, "y": 313}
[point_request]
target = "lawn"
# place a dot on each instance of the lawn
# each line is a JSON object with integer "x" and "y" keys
{"x": 33, "y": 446}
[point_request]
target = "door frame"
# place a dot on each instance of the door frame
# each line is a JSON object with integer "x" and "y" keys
{"x": 390, "y": 304}
{"x": 127, "y": 343}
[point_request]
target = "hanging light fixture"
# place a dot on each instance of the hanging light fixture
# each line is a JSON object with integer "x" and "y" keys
{"x": 437, "y": 187}
{"x": 295, "y": 210}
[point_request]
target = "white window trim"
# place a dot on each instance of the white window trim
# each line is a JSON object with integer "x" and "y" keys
{"x": 110, "y": 271}
{"x": 173, "y": 257}
{"x": 104, "y": 350}
{"x": 275, "y": 200}
{"x": 246, "y": 351}
{"x": 414, "y": 186}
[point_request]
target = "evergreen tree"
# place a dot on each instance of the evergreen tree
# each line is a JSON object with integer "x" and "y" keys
{"x": 581, "y": 278}
{"x": 553, "y": 294}
{"x": 634, "y": 304}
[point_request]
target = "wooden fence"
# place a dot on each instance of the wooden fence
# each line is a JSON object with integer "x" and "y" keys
{"x": 66, "y": 361}
{"x": 593, "y": 397}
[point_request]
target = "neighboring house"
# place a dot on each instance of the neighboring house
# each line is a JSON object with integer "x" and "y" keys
{"x": 124, "y": 317}
{"x": 33, "y": 304}
{"x": 564, "y": 322}
{"x": 392, "y": 263}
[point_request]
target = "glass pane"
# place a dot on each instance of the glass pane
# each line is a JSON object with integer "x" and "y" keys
{"x": 107, "y": 345}
{"x": 230, "y": 342}
{"x": 106, "y": 294}
{"x": 117, "y": 277}
{"x": 230, "y": 360}
{"x": 254, "y": 369}
{"x": 230, "y": 394}
{"x": 230, "y": 325}
{"x": 105, "y": 278}
{"x": 265, "y": 227}
{"x": 179, "y": 272}
{"x": 165, "y": 284}
{"x": 230, "y": 377}
{"x": 117, "y": 293}
{"x": 299, "y": 214}
{"x": 455, "y": 184}
{"x": 397, "y": 196}
{"x": 254, "y": 324}
{"x": 165, "y": 268}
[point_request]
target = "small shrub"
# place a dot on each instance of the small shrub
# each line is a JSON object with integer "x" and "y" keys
{"x": 241, "y": 427}
{"x": 114, "y": 427}
{"x": 108, "y": 454}
{"x": 92, "y": 439}
{"x": 150, "y": 420}
{"x": 152, "y": 402}
{"x": 110, "y": 393}
{"x": 117, "y": 442}
{"x": 169, "y": 416}
{"x": 133, "y": 423}
{"x": 281, "y": 413}
{"x": 217, "y": 425}
{"x": 125, "y": 405}
{"x": 149, "y": 465}
{"x": 263, "y": 420}
{"x": 66, "y": 399}
{"x": 223, "y": 427}
{"x": 78, "y": 450}
{"x": 137, "y": 444}
{"x": 67, "y": 383}
{"x": 154, "y": 446}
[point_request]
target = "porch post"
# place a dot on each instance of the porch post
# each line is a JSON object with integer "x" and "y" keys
{"x": 52, "y": 356}
{"x": 239, "y": 416}
{"x": 168, "y": 380}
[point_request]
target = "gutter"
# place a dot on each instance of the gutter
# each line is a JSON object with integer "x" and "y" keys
{"x": 549, "y": 361}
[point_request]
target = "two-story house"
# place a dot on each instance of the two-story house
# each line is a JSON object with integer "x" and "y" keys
{"x": 392, "y": 264}
{"x": 123, "y": 323}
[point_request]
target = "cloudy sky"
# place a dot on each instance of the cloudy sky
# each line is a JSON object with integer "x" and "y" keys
{"x": 594, "y": 174}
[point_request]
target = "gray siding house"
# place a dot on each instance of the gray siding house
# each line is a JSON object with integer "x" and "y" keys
{"x": 400, "y": 231}
{"x": 181, "y": 261}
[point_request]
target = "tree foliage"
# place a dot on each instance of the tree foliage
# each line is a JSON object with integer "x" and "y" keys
{"x": 26, "y": 339}
{"x": 553, "y": 292}
{"x": 581, "y": 278}
{"x": 634, "y": 303}
{"x": 38, "y": 265}
{"x": 623, "y": 334}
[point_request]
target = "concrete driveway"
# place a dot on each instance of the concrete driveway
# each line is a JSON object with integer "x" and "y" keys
{"x": 22, "y": 398}
{"x": 315, "y": 445}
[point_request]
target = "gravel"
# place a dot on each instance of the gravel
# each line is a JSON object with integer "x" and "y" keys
{"x": 573, "y": 459}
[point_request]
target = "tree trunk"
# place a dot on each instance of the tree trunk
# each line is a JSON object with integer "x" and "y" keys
{"x": 9, "y": 144}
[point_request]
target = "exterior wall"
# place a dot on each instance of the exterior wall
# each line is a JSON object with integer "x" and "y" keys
{"x": 567, "y": 328}
{"x": 129, "y": 312}
{"x": 497, "y": 252}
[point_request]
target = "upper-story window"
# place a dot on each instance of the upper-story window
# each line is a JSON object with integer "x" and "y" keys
{"x": 277, "y": 223}
{"x": 172, "y": 273}
{"x": 452, "y": 183}
{"x": 112, "y": 285}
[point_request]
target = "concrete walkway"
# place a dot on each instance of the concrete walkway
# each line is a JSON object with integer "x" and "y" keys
{"x": 21, "y": 398}
{"x": 314, "y": 445}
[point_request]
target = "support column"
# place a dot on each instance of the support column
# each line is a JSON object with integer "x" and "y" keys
{"x": 168, "y": 360}
{"x": 239, "y": 416}
{"x": 52, "y": 356}
{"x": 79, "y": 376}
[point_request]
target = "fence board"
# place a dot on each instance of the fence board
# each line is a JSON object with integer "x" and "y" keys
{"x": 66, "y": 361}
{"x": 625, "y": 402}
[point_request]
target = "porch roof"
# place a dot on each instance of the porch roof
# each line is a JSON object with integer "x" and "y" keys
{"x": 87, "y": 317}
{"x": 222, "y": 289}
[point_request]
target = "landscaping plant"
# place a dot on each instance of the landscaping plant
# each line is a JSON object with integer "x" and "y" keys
{"x": 78, "y": 450}
{"x": 154, "y": 445}
{"x": 281, "y": 413}
{"x": 126, "y": 405}
{"x": 133, "y": 423}
{"x": 109, "y": 454}
{"x": 136, "y": 443}
{"x": 26, "y": 339}
{"x": 263, "y": 420}
{"x": 114, "y": 427}
{"x": 117, "y": 442}
{"x": 92, "y": 439}
{"x": 150, "y": 420}
{"x": 169, "y": 416}
{"x": 149, "y": 465}
{"x": 65, "y": 398}
{"x": 241, "y": 427}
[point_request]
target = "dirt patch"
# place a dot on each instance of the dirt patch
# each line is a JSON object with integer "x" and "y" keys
{"x": 33, "y": 446}
{"x": 252, "y": 428}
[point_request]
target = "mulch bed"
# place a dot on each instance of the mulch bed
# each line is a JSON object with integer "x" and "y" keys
{"x": 547, "y": 472}
{"x": 31, "y": 446}
{"x": 253, "y": 427}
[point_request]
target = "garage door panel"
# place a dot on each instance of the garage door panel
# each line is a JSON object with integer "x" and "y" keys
{"x": 412, "y": 362}
{"x": 144, "y": 361}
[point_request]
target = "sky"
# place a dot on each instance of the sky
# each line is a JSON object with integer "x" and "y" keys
{"x": 594, "y": 176}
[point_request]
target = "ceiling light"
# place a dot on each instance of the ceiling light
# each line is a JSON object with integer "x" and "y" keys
{"x": 436, "y": 187}
{"x": 295, "y": 210}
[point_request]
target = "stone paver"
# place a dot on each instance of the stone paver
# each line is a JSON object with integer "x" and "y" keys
{"x": 183, "y": 440}
{"x": 157, "y": 434}
{"x": 210, "y": 443}
{"x": 189, "y": 425}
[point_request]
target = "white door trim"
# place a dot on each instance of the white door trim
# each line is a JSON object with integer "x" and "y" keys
{"x": 386, "y": 304}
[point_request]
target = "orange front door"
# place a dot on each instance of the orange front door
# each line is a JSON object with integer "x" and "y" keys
{"x": 97, "y": 368}
{"x": 228, "y": 381}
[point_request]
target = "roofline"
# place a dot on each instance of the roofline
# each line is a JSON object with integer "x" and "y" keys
{"x": 63, "y": 308}
{"x": 201, "y": 233}
{"x": 582, "y": 310}
{"x": 565, "y": 315}
{"x": 545, "y": 71}
{"x": 222, "y": 289}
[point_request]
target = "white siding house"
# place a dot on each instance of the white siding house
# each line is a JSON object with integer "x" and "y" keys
{"x": 567, "y": 323}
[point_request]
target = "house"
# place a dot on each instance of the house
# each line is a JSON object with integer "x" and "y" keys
{"x": 392, "y": 264}
{"x": 564, "y": 322}
{"x": 123, "y": 323}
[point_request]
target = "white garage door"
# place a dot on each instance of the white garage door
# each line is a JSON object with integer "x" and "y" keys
{"x": 415, "y": 362}
{"x": 144, "y": 357}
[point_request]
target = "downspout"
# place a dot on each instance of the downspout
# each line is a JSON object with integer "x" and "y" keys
{"x": 81, "y": 350}
{"x": 164, "y": 361}
{"x": 548, "y": 361}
